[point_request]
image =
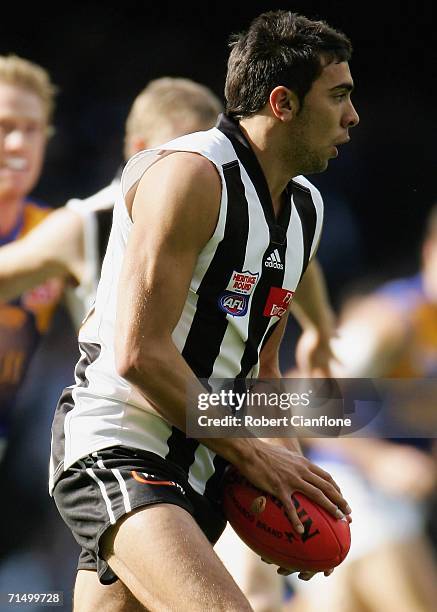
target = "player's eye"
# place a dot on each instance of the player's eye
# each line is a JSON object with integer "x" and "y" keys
{"x": 28, "y": 129}
{"x": 6, "y": 127}
{"x": 32, "y": 128}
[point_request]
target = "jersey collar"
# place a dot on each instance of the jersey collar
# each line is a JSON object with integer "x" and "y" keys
{"x": 278, "y": 226}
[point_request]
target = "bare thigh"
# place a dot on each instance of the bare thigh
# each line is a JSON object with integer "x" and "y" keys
{"x": 259, "y": 581}
{"x": 166, "y": 561}
{"x": 90, "y": 595}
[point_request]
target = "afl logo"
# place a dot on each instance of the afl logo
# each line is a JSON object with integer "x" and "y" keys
{"x": 234, "y": 303}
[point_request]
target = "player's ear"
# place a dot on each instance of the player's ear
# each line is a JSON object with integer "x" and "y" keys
{"x": 284, "y": 103}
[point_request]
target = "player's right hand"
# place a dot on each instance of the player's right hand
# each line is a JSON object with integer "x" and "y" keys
{"x": 281, "y": 472}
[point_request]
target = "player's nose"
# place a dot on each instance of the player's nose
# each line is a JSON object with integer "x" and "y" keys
{"x": 14, "y": 140}
{"x": 351, "y": 117}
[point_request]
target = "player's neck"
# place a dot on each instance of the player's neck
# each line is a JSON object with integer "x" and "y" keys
{"x": 277, "y": 170}
{"x": 10, "y": 210}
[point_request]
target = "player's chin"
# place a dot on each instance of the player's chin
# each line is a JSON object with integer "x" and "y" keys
{"x": 10, "y": 189}
{"x": 323, "y": 165}
{"x": 317, "y": 166}
{"x": 21, "y": 185}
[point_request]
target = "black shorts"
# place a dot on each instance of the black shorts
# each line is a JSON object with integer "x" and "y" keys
{"x": 99, "y": 489}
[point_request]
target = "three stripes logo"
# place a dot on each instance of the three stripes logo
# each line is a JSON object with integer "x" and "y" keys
{"x": 274, "y": 261}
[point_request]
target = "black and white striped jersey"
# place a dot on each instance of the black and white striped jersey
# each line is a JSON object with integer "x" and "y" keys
{"x": 96, "y": 214}
{"x": 242, "y": 284}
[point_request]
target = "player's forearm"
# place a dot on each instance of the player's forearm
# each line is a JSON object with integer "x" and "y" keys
{"x": 291, "y": 444}
{"x": 22, "y": 269}
{"x": 14, "y": 281}
{"x": 163, "y": 377}
{"x": 311, "y": 304}
{"x": 269, "y": 356}
{"x": 53, "y": 249}
{"x": 11, "y": 287}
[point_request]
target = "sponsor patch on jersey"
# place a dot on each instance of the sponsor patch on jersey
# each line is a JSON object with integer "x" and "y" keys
{"x": 242, "y": 282}
{"x": 277, "y": 302}
{"x": 233, "y": 303}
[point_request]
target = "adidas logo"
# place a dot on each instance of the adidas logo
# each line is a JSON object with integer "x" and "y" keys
{"x": 274, "y": 261}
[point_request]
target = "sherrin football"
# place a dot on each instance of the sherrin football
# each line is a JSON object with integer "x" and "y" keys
{"x": 260, "y": 521}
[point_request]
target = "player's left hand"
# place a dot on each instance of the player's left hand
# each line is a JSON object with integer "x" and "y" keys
{"x": 283, "y": 571}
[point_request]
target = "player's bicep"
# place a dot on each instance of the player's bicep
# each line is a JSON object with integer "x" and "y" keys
{"x": 174, "y": 213}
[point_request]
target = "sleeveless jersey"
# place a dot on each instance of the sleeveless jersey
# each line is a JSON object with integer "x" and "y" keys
{"x": 22, "y": 321}
{"x": 243, "y": 281}
{"x": 96, "y": 214}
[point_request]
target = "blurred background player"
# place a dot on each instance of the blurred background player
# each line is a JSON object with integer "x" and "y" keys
{"x": 72, "y": 241}
{"x": 391, "y": 333}
{"x": 26, "y": 112}
{"x": 396, "y": 326}
{"x": 26, "y": 109}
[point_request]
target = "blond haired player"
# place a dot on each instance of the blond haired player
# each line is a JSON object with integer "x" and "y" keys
{"x": 71, "y": 243}
{"x": 26, "y": 109}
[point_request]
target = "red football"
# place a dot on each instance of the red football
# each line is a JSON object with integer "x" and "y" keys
{"x": 261, "y": 522}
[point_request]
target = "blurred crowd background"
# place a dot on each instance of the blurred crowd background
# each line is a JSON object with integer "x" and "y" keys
{"x": 377, "y": 193}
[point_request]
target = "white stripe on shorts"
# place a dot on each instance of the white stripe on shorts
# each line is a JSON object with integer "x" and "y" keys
{"x": 104, "y": 494}
{"x": 121, "y": 482}
{"x": 123, "y": 488}
{"x": 100, "y": 461}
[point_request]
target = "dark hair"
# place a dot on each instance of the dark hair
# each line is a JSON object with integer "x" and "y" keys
{"x": 279, "y": 48}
